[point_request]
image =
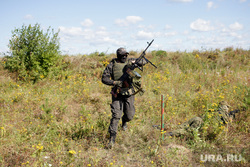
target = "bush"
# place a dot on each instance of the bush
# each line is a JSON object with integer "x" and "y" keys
{"x": 159, "y": 53}
{"x": 33, "y": 54}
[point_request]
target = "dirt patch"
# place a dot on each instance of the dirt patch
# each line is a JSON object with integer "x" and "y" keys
{"x": 178, "y": 148}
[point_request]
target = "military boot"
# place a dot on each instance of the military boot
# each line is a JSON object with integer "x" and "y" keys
{"x": 111, "y": 140}
{"x": 124, "y": 125}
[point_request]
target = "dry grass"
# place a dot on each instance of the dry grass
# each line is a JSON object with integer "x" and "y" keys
{"x": 64, "y": 122}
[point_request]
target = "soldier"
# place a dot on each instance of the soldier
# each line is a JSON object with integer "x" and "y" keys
{"x": 185, "y": 128}
{"x": 196, "y": 122}
{"x": 122, "y": 92}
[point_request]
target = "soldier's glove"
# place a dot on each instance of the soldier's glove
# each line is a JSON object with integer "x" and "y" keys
{"x": 131, "y": 65}
{"x": 118, "y": 83}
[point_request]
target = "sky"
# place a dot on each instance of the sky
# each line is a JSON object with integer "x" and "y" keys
{"x": 88, "y": 26}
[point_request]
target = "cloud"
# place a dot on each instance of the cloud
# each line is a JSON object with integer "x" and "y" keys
{"x": 201, "y": 25}
{"x": 231, "y": 31}
{"x": 211, "y": 5}
{"x": 128, "y": 20}
{"x": 102, "y": 31}
{"x": 76, "y": 33}
{"x": 141, "y": 35}
{"x": 28, "y": 17}
{"x": 133, "y": 19}
{"x": 167, "y": 27}
{"x": 238, "y": 36}
{"x": 98, "y": 37}
{"x": 236, "y": 26}
{"x": 186, "y": 32}
{"x": 176, "y": 42}
{"x": 144, "y": 35}
{"x": 72, "y": 31}
{"x": 146, "y": 27}
{"x": 87, "y": 23}
{"x": 107, "y": 40}
{"x": 211, "y": 41}
{"x": 167, "y": 34}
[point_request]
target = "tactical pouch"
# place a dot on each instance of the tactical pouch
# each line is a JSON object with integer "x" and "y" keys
{"x": 134, "y": 74}
{"x": 126, "y": 91}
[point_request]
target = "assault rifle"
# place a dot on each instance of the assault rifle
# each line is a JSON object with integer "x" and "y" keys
{"x": 129, "y": 73}
{"x": 141, "y": 58}
{"x": 232, "y": 113}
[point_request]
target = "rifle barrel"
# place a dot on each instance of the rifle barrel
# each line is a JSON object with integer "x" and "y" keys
{"x": 143, "y": 53}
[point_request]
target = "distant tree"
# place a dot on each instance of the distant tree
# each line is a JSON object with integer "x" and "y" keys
{"x": 33, "y": 53}
{"x": 161, "y": 53}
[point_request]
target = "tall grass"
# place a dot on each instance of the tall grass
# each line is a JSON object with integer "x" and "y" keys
{"x": 64, "y": 122}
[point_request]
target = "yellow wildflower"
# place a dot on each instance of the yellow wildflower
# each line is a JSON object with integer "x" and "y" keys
{"x": 72, "y": 152}
{"x": 162, "y": 132}
{"x": 39, "y": 147}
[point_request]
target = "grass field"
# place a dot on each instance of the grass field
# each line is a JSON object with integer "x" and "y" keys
{"x": 64, "y": 121}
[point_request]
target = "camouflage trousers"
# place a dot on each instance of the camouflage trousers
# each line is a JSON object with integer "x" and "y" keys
{"x": 121, "y": 107}
{"x": 188, "y": 127}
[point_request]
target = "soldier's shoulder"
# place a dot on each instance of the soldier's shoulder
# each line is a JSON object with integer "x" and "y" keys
{"x": 111, "y": 63}
{"x": 113, "y": 60}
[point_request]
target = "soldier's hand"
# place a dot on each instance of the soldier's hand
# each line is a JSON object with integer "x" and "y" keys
{"x": 131, "y": 65}
{"x": 118, "y": 83}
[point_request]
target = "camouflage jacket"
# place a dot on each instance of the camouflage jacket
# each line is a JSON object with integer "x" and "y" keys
{"x": 224, "y": 116}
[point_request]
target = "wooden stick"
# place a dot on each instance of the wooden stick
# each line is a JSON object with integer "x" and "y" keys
{"x": 162, "y": 117}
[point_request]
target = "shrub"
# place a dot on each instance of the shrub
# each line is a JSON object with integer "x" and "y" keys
{"x": 159, "y": 53}
{"x": 33, "y": 53}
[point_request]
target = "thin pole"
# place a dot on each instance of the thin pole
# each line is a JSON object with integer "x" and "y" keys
{"x": 162, "y": 117}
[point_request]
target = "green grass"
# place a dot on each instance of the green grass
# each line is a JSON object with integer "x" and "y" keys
{"x": 64, "y": 121}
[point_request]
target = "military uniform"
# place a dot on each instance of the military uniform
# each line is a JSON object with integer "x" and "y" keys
{"x": 224, "y": 114}
{"x": 122, "y": 105}
{"x": 187, "y": 127}
{"x": 196, "y": 122}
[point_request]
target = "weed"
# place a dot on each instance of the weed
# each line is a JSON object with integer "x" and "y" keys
{"x": 63, "y": 120}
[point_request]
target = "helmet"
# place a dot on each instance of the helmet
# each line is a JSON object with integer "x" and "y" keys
{"x": 122, "y": 54}
{"x": 121, "y": 51}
